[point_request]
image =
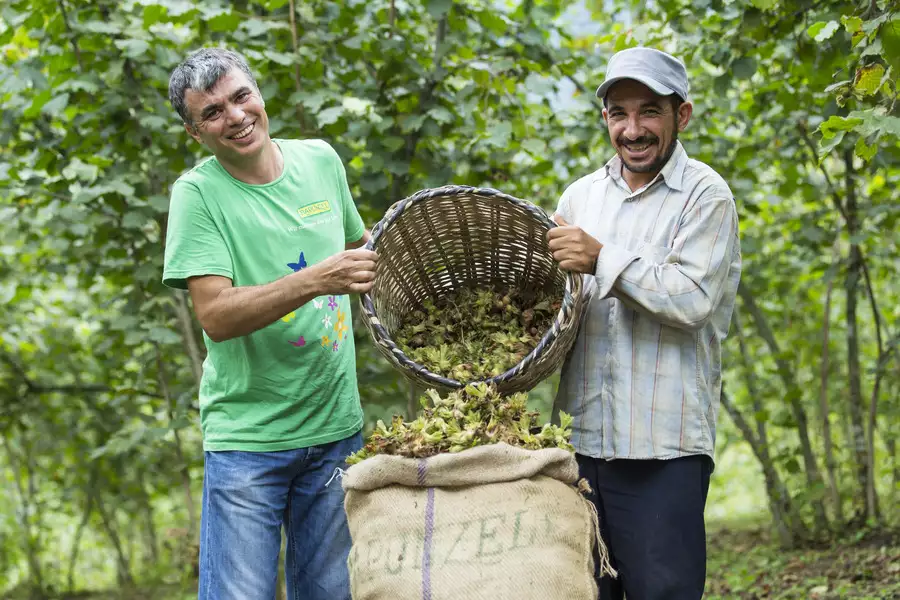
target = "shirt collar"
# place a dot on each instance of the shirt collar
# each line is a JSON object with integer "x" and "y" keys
{"x": 672, "y": 172}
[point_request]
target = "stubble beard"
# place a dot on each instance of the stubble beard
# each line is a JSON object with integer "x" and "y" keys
{"x": 657, "y": 164}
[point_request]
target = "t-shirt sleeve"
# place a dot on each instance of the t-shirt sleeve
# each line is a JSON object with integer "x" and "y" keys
{"x": 194, "y": 244}
{"x": 354, "y": 228}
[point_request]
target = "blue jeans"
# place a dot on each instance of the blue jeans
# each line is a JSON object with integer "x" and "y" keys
{"x": 248, "y": 497}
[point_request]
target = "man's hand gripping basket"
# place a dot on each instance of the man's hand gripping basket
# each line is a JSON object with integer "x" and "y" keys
{"x": 441, "y": 240}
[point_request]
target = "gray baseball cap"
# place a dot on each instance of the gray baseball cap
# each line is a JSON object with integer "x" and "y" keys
{"x": 661, "y": 72}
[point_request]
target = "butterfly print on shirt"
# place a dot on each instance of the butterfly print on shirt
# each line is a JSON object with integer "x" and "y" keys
{"x": 300, "y": 264}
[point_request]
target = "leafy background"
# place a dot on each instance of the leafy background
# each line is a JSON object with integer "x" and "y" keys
{"x": 795, "y": 104}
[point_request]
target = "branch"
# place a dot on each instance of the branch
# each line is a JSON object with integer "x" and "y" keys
{"x": 871, "y": 11}
{"x": 751, "y": 379}
{"x": 38, "y": 388}
{"x": 835, "y": 195}
{"x": 824, "y": 407}
{"x": 90, "y": 389}
{"x": 765, "y": 331}
{"x": 300, "y": 115}
{"x": 18, "y": 370}
{"x": 179, "y": 453}
{"x": 578, "y": 85}
{"x": 73, "y": 37}
{"x": 434, "y": 79}
{"x": 190, "y": 340}
{"x": 742, "y": 424}
{"x": 391, "y": 17}
{"x": 794, "y": 395}
{"x": 876, "y": 314}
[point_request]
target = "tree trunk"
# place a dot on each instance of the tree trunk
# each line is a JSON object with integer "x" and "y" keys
{"x": 825, "y": 410}
{"x": 891, "y": 444}
{"x": 883, "y": 357}
{"x": 786, "y": 521}
{"x": 123, "y": 570}
{"x": 794, "y": 397}
{"x": 186, "y": 323}
{"x": 183, "y": 467}
{"x": 150, "y": 526}
{"x": 26, "y": 509}
{"x": 860, "y": 446}
{"x": 750, "y": 379}
{"x": 85, "y": 519}
{"x": 851, "y": 287}
{"x": 783, "y": 516}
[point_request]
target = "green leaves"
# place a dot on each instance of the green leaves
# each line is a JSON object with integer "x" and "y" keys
{"x": 77, "y": 169}
{"x": 498, "y": 135}
{"x": 822, "y": 30}
{"x": 56, "y": 105}
{"x": 537, "y": 147}
{"x": 356, "y": 106}
{"x": 871, "y": 125}
{"x": 743, "y": 68}
{"x": 765, "y": 4}
{"x": 851, "y": 24}
{"x": 163, "y": 335}
{"x": 329, "y": 115}
{"x": 501, "y": 96}
{"x": 133, "y": 48}
{"x": 835, "y": 124}
{"x": 438, "y": 8}
{"x": 868, "y": 79}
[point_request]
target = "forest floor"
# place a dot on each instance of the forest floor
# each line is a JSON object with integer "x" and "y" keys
{"x": 745, "y": 563}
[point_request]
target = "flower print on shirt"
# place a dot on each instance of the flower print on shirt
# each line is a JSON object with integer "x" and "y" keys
{"x": 340, "y": 325}
{"x": 332, "y": 303}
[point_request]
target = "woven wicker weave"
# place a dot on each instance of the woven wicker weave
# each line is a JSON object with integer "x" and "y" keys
{"x": 441, "y": 240}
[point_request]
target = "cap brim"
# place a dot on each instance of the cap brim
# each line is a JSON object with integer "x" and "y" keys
{"x": 651, "y": 83}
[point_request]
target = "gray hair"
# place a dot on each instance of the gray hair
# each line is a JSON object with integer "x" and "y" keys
{"x": 200, "y": 71}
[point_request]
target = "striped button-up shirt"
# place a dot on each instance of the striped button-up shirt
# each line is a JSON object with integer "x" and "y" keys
{"x": 643, "y": 379}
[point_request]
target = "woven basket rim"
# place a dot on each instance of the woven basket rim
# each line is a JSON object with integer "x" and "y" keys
{"x": 571, "y": 293}
{"x": 394, "y": 212}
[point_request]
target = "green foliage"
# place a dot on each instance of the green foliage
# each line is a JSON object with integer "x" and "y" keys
{"x": 472, "y": 335}
{"x": 794, "y": 103}
{"x": 473, "y": 416}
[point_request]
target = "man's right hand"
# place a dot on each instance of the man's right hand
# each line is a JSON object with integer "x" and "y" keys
{"x": 347, "y": 272}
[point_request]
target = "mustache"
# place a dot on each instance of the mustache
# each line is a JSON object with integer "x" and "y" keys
{"x": 644, "y": 139}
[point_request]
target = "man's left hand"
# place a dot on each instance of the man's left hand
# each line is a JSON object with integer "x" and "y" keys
{"x": 572, "y": 247}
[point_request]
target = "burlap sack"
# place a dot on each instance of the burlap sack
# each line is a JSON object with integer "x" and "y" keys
{"x": 493, "y": 523}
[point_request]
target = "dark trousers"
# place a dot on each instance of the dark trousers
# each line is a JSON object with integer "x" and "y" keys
{"x": 651, "y": 519}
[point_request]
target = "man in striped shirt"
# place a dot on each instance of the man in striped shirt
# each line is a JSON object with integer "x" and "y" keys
{"x": 657, "y": 232}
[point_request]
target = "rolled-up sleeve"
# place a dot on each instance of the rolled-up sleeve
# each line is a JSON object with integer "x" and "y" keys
{"x": 683, "y": 290}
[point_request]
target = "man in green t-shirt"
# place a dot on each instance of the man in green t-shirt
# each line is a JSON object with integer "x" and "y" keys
{"x": 265, "y": 236}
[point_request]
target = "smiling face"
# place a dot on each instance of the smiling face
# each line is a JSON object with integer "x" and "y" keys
{"x": 230, "y": 118}
{"x": 643, "y": 126}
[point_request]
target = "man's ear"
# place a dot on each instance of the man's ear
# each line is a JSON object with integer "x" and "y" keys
{"x": 192, "y": 131}
{"x": 606, "y": 116}
{"x": 685, "y": 110}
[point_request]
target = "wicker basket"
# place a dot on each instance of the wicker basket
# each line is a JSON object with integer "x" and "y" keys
{"x": 444, "y": 239}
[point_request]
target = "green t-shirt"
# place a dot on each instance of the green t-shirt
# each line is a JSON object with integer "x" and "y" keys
{"x": 291, "y": 384}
